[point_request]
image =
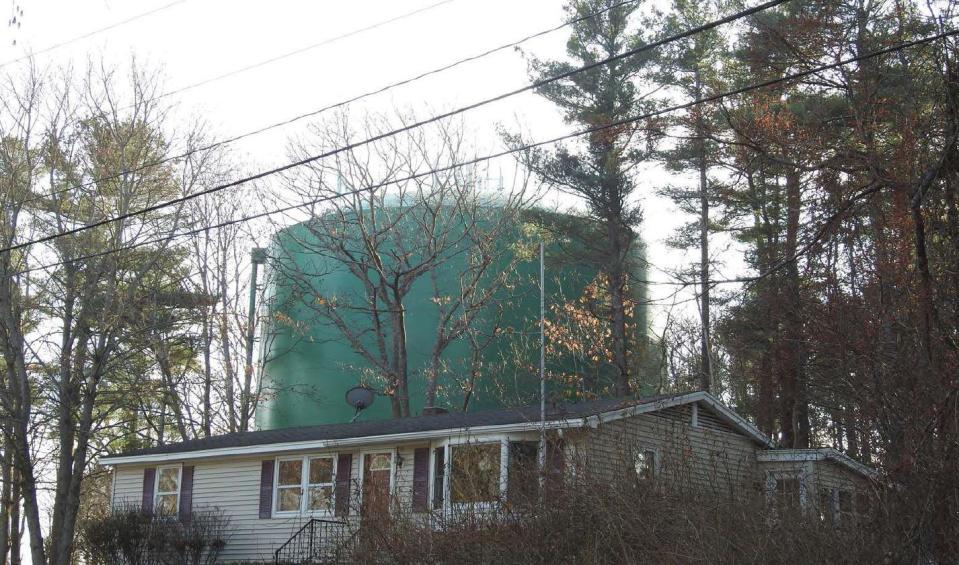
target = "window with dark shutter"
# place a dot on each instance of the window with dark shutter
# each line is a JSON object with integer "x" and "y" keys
{"x": 186, "y": 494}
{"x": 439, "y": 472}
{"x": 149, "y": 482}
{"x": 421, "y": 479}
{"x": 341, "y": 498}
{"x": 266, "y": 488}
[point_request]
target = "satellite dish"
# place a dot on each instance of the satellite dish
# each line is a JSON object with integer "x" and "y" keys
{"x": 360, "y": 397}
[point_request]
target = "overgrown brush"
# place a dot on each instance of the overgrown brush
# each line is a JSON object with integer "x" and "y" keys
{"x": 592, "y": 523}
{"x": 133, "y": 536}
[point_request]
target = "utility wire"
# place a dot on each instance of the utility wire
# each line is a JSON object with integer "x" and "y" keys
{"x": 300, "y": 50}
{"x": 333, "y": 106}
{"x": 92, "y": 33}
{"x": 528, "y": 146}
{"x": 533, "y": 86}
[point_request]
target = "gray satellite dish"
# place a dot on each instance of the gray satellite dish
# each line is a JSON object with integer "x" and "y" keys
{"x": 360, "y": 398}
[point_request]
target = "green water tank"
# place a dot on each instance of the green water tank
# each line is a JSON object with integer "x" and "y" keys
{"x": 309, "y": 364}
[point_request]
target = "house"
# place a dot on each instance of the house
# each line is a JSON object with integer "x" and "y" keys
{"x": 272, "y": 483}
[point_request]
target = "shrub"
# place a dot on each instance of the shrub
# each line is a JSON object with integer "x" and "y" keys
{"x": 620, "y": 523}
{"x": 132, "y": 536}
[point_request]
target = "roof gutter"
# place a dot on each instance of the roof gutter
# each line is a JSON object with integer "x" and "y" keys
{"x": 721, "y": 409}
{"x": 335, "y": 443}
{"x": 817, "y": 454}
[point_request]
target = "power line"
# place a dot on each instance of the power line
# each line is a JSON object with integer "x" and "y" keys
{"x": 92, "y": 33}
{"x": 526, "y": 147}
{"x": 334, "y": 106}
{"x": 533, "y": 86}
{"x": 300, "y": 50}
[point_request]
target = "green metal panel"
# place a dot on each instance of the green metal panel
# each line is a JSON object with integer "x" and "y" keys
{"x": 310, "y": 366}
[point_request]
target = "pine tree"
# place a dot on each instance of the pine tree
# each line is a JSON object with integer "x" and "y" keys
{"x": 599, "y": 169}
{"x": 692, "y": 67}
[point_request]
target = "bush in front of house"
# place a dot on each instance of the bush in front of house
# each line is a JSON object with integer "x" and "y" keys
{"x": 611, "y": 522}
{"x": 133, "y": 536}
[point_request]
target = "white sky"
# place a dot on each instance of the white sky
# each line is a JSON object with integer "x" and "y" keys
{"x": 194, "y": 40}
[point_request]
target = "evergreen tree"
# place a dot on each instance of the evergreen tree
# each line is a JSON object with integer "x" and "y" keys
{"x": 600, "y": 168}
{"x": 693, "y": 68}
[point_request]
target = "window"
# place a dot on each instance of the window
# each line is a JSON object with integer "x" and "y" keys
{"x": 289, "y": 485}
{"x": 522, "y": 472}
{"x": 167, "y": 499}
{"x": 788, "y": 490}
{"x": 475, "y": 473}
{"x": 826, "y": 511}
{"x": 320, "y": 486}
{"x": 312, "y": 476}
{"x": 843, "y": 502}
{"x": 645, "y": 464}
{"x": 439, "y": 474}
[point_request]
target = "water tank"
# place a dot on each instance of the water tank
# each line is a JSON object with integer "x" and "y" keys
{"x": 309, "y": 365}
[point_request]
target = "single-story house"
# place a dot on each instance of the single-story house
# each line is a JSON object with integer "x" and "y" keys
{"x": 271, "y": 483}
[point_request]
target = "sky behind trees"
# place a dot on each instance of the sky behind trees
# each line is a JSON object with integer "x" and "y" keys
{"x": 178, "y": 39}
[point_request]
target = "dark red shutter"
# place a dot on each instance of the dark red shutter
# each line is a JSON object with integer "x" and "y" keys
{"x": 421, "y": 479}
{"x": 186, "y": 494}
{"x": 439, "y": 470}
{"x": 266, "y": 488}
{"x": 341, "y": 499}
{"x": 149, "y": 483}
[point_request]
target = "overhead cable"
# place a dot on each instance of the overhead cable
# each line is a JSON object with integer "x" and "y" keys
{"x": 437, "y": 118}
{"x": 525, "y": 147}
{"x": 314, "y": 113}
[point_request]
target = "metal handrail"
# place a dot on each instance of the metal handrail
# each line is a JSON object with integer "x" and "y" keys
{"x": 311, "y": 526}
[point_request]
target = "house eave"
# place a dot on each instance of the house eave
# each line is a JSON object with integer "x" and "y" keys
{"x": 732, "y": 418}
{"x": 287, "y": 447}
{"x": 816, "y": 454}
{"x": 735, "y": 420}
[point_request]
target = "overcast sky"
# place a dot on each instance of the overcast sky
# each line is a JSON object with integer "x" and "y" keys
{"x": 191, "y": 41}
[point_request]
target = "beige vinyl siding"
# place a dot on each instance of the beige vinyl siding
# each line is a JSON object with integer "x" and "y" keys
{"x": 127, "y": 485}
{"x": 711, "y": 456}
{"x": 816, "y": 475}
{"x": 233, "y": 485}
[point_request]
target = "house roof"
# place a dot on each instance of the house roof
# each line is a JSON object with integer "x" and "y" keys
{"x": 817, "y": 454}
{"x": 581, "y": 414}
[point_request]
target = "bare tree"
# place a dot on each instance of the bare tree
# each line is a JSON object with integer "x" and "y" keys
{"x": 222, "y": 259}
{"x": 391, "y": 223}
{"x": 79, "y": 151}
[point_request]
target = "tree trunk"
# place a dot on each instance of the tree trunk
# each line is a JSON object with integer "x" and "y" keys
{"x": 794, "y": 404}
{"x": 28, "y": 492}
{"x": 431, "y": 378}
{"x": 706, "y": 370}
{"x": 6, "y": 475}
{"x": 16, "y": 536}
{"x": 401, "y": 357}
{"x": 207, "y": 423}
{"x": 618, "y": 302}
{"x": 21, "y": 397}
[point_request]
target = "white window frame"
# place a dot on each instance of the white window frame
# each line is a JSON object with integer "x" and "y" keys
{"x": 393, "y": 454}
{"x": 304, "y": 485}
{"x": 656, "y": 462}
{"x": 772, "y": 481}
{"x": 156, "y": 489}
{"x": 448, "y": 445}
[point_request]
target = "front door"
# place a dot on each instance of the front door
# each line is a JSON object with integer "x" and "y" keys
{"x": 377, "y": 472}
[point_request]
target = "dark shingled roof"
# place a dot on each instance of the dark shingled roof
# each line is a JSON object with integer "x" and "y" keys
{"x": 395, "y": 426}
